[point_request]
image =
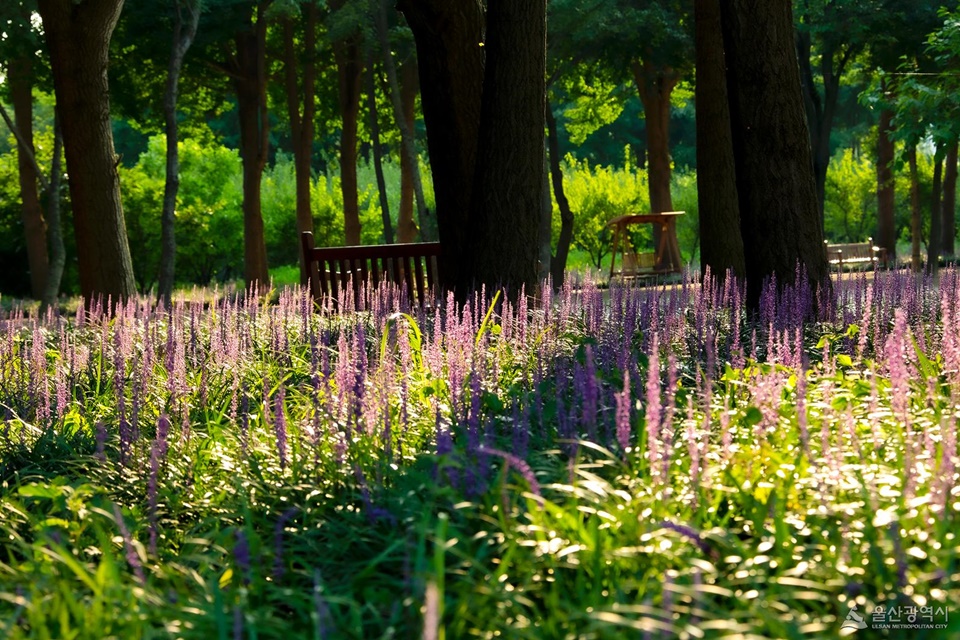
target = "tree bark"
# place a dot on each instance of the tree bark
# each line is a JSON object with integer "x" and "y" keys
{"x": 405, "y": 124}
{"x": 721, "y": 247}
{"x": 58, "y": 253}
{"x": 821, "y": 111}
{"x": 886, "y": 195}
{"x": 450, "y": 60}
{"x": 409, "y": 168}
{"x": 20, "y": 77}
{"x": 302, "y": 119}
{"x": 934, "y": 242}
{"x": 349, "y": 75}
{"x": 78, "y": 40}
{"x": 558, "y": 262}
{"x": 378, "y": 155}
{"x": 949, "y": 227}
{"x": 504, "y": 222}
{"x": 779, "y": 217}
{"x": 655, "y": 86}
{"x": 183, "y": 35}
{"x": 915, "y": 208}
{"x": 251, "y": 89}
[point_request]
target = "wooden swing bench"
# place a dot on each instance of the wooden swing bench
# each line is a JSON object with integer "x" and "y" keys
{"x": 331, "y": 272}
{"x": 854, "y": 254}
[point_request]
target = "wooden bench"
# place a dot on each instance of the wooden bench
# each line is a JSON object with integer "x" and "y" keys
{"x": 331, "y": 272}
{"x": 854, "y": 254}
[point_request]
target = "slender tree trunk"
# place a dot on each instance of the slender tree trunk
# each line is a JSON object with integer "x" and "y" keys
{"x": 546, "y": 222}
{"x": 915, "y": 210}
{"x": 779, "y": 218}
{"x": 408, "y": 148}
{"x": 886, "y": 196}
{"x": 558, "y": 263}
{"x": 409, "y": 167}
{"x": 78, "y": 39}
{"x": 20, "y": 78}
{"x": 655, "y": 87}
{"x": 504, "y": 224}
{"x": 451, "y": 67}
{"x": 934, "y": 242}
{"x": 949, "y": 228}
{"x": 183, "y": 35}
{"x": 349, "y": 75}
{"x": 302, "y": 122}
{"x": 721, "y": 247}
{"x": 378, "y": 155}
{"x": 250, "y": 86}
{"x": 58, "y": 253}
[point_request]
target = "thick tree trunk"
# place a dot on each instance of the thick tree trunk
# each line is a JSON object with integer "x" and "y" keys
{"x": 408, "y": 148}
{"x": 409, "y": 168}
{"x": 915, "y": 210}
{"x": 886, "y": 195}
{"x": 821, "y": 111}
{"x": 58, "y": 253}
{"x": 558, "y": 262}
{"x": 451, "y": 65}
{"x": 779, "y": 217}
{"x": 934, "y": 242}
{"x": 949, "y": 212}
{"x": 20, "y": 77}
{"x": 250, "y": 86}
{"x": 504, "y": 217}
{"x": 721, "y": 247}
{"x": 378, "y": 155}
{"x": 349, "y": 75}
{"x": 302, "y": 122}
{"x": 183, "y": 35}
{"x": 78, "y": 40}
{"x": 655, "y": 86}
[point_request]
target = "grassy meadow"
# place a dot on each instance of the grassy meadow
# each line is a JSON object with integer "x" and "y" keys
{"x": 621, "y": 463}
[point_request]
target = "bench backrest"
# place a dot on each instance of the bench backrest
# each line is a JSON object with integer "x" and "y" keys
{"x": 332, "y": 271}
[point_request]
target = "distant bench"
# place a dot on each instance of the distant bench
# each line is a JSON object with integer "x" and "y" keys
{"x": 855, "y": 254}
{"x": 332, "y": 271}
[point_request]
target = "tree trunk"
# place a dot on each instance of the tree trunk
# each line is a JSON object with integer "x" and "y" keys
{"x": 451, "y": 66}
{"x": 545, "y": 230}
{"x": 409, "y": 168}
{"x": 78, "y": 40}
{"x": 655, "y": 86}
{"x": 934, "y": 242}
{"x": 504, "y": 223}
{"x": 721, "y": 247}
{"x": 183, "y": 35}
{"x": 821, "y": 111}
{"x": 915, "y": 259}
{"x": 558, "y": 263}
{"x": 408, "y": 149}
{"x": 949, "y": 212}
{"x": 58, "y": 253}
{"x": 779, "y": 217}
{"x": 20, "y": 77}
{"x": 378, "y": 155}
{"x": 886, "y": 195}
{"x": 250, "y": 86}
{"x": 302, "y": 123}
{"x": 349, "y": 75}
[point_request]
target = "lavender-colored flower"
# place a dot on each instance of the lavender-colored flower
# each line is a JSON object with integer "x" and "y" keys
{"x": 241, "y": 555}
{"x": 278, "y": 528}
{"x": 624, "y": 427}
{"x": 520, "y": 466}
{"x": 130, "y": 550}
{"x": 280, "y": 427}
{"x": 157, "y": 454}
{"x": 690, "y": 533}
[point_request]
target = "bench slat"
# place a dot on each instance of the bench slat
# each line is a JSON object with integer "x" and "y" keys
{"x": 328, "y": 271}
